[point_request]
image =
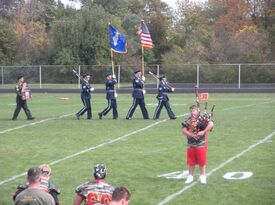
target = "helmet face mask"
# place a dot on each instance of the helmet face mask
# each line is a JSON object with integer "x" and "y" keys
{"x": 100, "y": 171}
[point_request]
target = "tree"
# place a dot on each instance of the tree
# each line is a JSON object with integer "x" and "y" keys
{"x": 192, "y": 32}
{"x": 7, "y": 43}
{"x": 86, "y": 35}
{"x": 9, "y": 7}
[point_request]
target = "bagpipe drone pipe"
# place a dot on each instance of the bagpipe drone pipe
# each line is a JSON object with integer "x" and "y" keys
{"x": 205, "y": 117}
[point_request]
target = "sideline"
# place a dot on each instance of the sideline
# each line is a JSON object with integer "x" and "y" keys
{"x": 93, "y": 148}
{"x": 173, "y": 196}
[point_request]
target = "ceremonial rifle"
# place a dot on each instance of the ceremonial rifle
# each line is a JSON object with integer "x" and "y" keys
{"x": 158, "y": 78}
{"x": 80, "y": 77}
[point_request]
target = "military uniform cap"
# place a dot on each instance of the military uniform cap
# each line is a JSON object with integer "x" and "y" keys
{"x": 86, "y": 74}
{"x": 19, "y": 76}
{"x": 161, "y": 77}
{"x": 107, "y": 74}
{"x": 136, "y": 71}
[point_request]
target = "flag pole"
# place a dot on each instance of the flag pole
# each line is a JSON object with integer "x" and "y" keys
{"x": 113, "y": 64}
{"x": 142, "y": 60}
{"x": 113, "y": 69}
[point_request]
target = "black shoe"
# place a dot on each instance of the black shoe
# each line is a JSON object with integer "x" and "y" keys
{"x": 77, "y": 116}
{"x": 14, "y": 118}
{"x": 173, "y": 118}
{"x": 100, "y": 115}
{"x": 31, "y": 118}
{"x": 128, "y": 118}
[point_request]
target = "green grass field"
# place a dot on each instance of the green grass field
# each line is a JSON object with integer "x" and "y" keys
{"x": 137, "y": 151}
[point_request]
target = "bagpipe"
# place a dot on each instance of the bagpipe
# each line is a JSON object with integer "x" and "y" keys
{"x": 165, "y": 82}
{"x": 205, "y": 117}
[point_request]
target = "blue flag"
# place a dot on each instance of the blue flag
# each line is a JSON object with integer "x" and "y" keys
{"x": 117, "y": 41}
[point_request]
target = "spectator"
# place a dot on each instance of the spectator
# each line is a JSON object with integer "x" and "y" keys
{"x": 120, "y": 196}
{"x": 45, "y": 184}
{"x": 33, "y": 195}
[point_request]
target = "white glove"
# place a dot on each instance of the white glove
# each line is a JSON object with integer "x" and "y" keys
{"x": 114, "y": 76}
{"x": 143, "y": 78}
{"x": 92, "y": 89}
{"x": 144, "y": 91}
{"x": 115, "y": 95}
{"x": 173, "y": 89}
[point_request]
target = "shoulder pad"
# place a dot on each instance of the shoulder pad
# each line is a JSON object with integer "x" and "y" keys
{"x": 53, "y": 188}
{"x": 22, "y": 186}
{"x": 81, "y": 187}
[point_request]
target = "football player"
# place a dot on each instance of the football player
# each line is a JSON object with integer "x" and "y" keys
{"x": 96, "y": 191}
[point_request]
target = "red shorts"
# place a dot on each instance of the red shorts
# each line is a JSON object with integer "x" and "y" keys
{"x": 196, "y": 155}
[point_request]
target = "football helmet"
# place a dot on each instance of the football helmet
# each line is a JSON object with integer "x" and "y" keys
{"x": 100, "y": 171}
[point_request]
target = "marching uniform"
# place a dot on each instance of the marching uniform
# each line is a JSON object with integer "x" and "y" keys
{"x": 21, "y": 89}
{"x": 110, "y": 96}
{"x": 95, "y": 192}
{"x": 164, "y": 100}
{"x": 86, "y": 98}
{"x": 138, "y": 97}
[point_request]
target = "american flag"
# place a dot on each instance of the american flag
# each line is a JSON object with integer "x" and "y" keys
{"x": 145, "y": 37}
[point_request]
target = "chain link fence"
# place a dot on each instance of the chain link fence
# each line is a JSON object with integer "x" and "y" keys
{"x": 187, "y": 75}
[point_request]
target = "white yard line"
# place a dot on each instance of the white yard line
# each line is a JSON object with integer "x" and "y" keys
{"x": 91, "y": 148}
{"x": 178, "y": 193}
{"x": 249, "y": 105}
{"x": 98, "y": 146}
{"x": 33, "y": 123}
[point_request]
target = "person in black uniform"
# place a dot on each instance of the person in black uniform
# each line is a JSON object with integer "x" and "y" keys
{"x": 164, "y": 99}
{"x": 21, "y": 89}
{"x": 110, "y": 96}
{"x": 86, "y": 97}
{"x": 138, "y": 96}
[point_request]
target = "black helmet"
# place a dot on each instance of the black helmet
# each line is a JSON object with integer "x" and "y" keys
{"x": 100, "y": 171}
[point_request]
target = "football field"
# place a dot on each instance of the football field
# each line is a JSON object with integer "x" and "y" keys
{"x": 146, "y": 156}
